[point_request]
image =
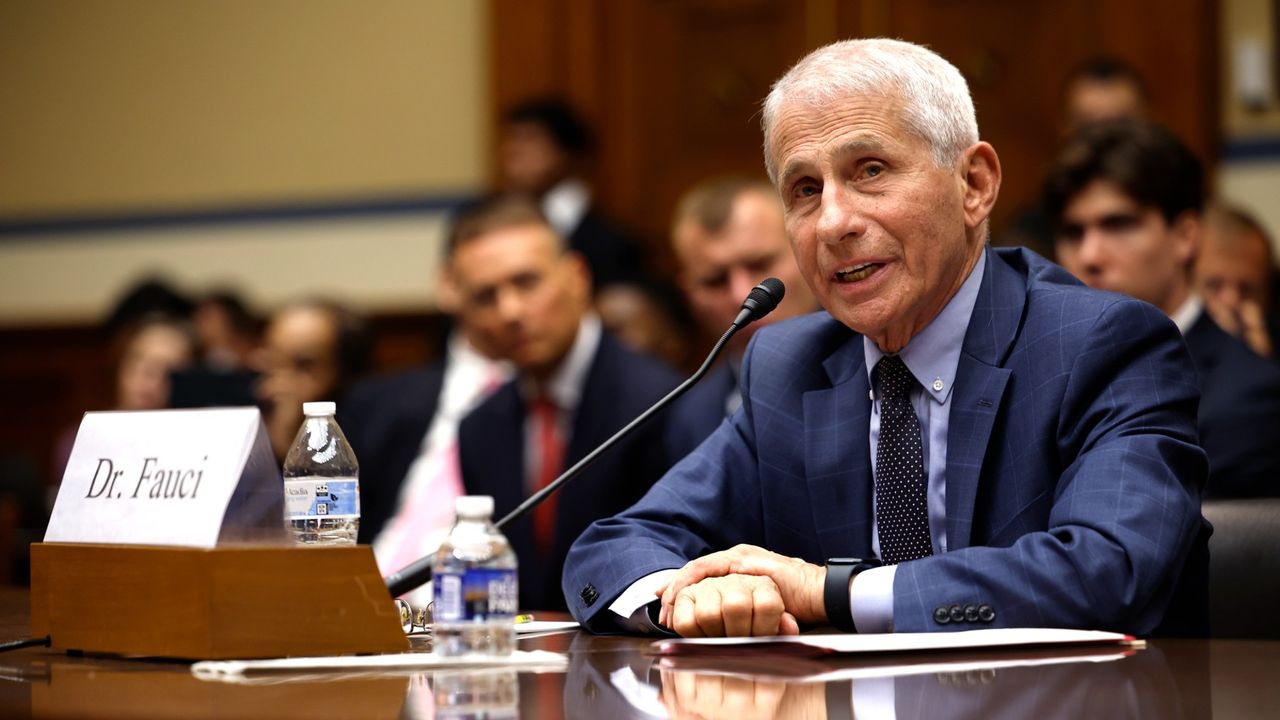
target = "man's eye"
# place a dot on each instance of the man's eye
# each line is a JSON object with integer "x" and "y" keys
{"x": 1070, "y": 233}
{"x": 873, "y": 169}
{"x": 1120, "y": 223}
{"x": 805, "y": 190}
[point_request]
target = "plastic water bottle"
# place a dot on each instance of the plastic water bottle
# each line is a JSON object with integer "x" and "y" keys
{"x": 321, "y": 481}
{"x": 476, "y": 591}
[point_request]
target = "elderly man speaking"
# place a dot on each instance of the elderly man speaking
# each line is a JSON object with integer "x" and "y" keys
{"x": 965, "y": 438}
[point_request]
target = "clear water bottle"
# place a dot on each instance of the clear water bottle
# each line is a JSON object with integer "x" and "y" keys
{"x": 476, "y": 591}
{"x": 321, "y": 481}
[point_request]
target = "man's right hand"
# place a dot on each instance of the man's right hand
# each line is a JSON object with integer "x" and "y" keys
{"x": 1248, "y": 323}
{"x": 731, "y": 606}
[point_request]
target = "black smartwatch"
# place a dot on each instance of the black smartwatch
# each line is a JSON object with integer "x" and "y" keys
{"x": 835, "y": 592}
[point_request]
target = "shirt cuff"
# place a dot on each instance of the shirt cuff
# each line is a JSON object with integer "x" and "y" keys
{"x": 632, "y": 606}
{"x": 871, "y": 599}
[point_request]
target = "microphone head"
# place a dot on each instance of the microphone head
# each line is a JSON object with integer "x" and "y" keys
{"x": 761, "y": 301}
{"x": 770, "y": 288}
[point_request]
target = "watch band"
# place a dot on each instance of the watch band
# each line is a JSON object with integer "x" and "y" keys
{"x": 835, "y": 591}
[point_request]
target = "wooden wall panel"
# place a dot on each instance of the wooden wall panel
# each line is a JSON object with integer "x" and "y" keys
{"x": 674, "y": 86}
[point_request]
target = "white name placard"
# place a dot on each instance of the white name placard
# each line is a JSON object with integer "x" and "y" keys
{"x": 170, "y": 477}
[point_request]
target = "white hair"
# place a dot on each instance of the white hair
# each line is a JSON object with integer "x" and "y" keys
{"x": 936, "y": 104}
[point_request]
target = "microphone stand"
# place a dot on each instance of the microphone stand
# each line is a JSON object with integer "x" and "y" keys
{"x": 419, "y": 571}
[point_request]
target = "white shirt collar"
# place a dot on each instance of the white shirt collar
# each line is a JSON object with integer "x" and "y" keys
{"x": 933, "y": 355}
{"x": 566, "y": 204}
{"x": 566, "y": 384}
{"x": 1187, "y": 315}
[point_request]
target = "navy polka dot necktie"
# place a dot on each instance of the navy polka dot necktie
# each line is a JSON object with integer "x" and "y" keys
{"x": 902, "y": 509}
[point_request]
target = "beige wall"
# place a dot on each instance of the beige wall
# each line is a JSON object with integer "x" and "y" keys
{"x": 138, "y": 106}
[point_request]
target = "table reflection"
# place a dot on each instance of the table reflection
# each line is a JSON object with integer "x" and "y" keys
{"x": 1041, "y": 684}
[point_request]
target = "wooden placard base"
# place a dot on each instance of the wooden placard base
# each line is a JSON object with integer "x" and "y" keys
{"x": 225, "y": 603}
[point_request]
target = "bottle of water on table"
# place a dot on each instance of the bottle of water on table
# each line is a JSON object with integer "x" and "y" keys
{"x": 475, "y": 586}
{"x": 321, "y": 481}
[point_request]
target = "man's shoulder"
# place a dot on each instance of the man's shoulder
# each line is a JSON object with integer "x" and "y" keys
{"x": 1228, "y": 361}
{"x": 1055, "y": 296}
{"x": 402, "y": 386}
{"x": 802, "y": 336}
{"x": 615, "y": 361}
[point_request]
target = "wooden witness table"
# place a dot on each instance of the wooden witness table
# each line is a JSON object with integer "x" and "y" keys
{"x": 613, "y": 678}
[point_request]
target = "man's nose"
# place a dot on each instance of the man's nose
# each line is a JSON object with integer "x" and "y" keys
{"x": 509, "y": 304}
{"x": 741, "y": 281}
{"x": 1093, "y": 250}
{"x": 838, "y": 216}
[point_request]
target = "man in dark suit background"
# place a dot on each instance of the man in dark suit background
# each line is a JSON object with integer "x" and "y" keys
{"x": 1017, "y": 450}
{"x": 528, "y": 298}
{"x": 728, "y": 235}
{"x": 543, "y": 153}
{"x": 1127, "y": 200}
{"x": 403, "y": 428}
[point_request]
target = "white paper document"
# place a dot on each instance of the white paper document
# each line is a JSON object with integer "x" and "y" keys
{"x": 817, "y": 645}
{"x": 520, "y": 659}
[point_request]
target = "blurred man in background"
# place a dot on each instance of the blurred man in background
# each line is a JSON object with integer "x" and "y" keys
{"x": 528, "y": 299}
{"x": 543, "y": 153}
{"x": 1127, "y": 199}
{"x": 648, "y": 316}
{"x": 1233, "y": 275}
{"x": 312, "y": 350}
{"x": 1102, "y": 88}
{"x": 728, "y": 235}
{"x": 404, "y": 429}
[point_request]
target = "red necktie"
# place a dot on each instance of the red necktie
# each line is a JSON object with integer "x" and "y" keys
{"x": 551, "y": 458}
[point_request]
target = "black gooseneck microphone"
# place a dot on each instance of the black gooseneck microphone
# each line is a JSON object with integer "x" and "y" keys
{"x": 761, "y": 301}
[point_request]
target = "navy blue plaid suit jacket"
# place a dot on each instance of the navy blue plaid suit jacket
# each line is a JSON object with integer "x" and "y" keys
{"x": 1073, "y": 474}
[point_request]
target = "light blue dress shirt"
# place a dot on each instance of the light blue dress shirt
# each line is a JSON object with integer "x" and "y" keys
{"x": 932, "y": 356}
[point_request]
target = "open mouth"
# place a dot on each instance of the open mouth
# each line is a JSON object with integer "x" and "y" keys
{"x": 857, "y": 272}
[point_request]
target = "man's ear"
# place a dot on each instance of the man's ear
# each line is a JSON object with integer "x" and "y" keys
{"x": 579, "y": 274}
{"x": 1186, "y": 233}
{"x": 979, "y": 170}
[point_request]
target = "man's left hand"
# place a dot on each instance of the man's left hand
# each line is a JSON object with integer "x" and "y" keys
{"x": 799, "y": 583}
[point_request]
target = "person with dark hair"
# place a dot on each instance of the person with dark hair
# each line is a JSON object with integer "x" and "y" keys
{"x": 544, "y": 151}
{"x": 312, "y": 349}
{"x": 647, "y": 316}
{"x": 1127, "y": 199}
{"x": 145, "y": 353}
{"x": 728, "y": 235}
{"x": 1234, "y": 273}
{"x": 227, "y": 330}
{"x": 526, "y": 297}
{"x": 1102, "y": 88}
{"x": 1098, "y": 89}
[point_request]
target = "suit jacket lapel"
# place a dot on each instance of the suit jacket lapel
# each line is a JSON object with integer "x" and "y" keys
{"x": 979, "y": 389}
{"x": 837, "y": 462}
{"x": 502, "y": 473}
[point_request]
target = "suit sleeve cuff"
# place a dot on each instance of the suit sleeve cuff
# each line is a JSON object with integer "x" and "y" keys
{"x": 635, "y": 607}
{"x": 871, "y": 599}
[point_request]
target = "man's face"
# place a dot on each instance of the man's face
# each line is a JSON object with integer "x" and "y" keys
{"x": 530, "y": 160}
{"x": 1110, "y": 242}
{"x": 1091, "y": 100}
{"x": 520, "y": 296}
{"x": 719, "y": 269}
{"x": 1233, "y": 271}
{"x": 883, "y": 236}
